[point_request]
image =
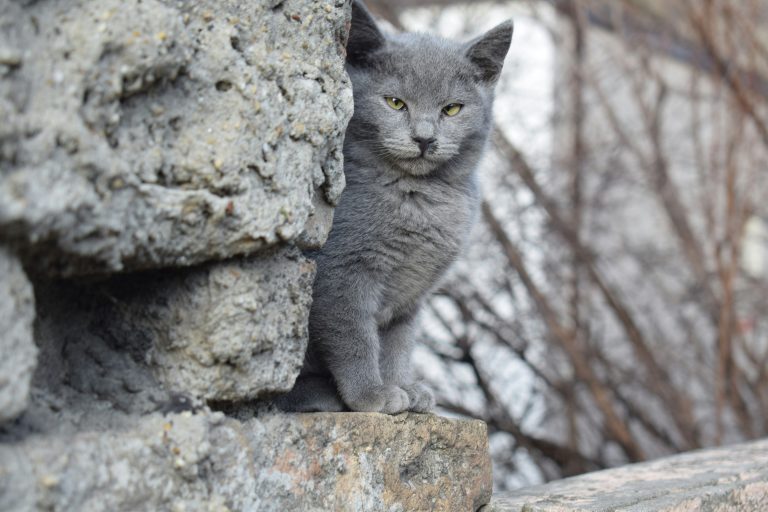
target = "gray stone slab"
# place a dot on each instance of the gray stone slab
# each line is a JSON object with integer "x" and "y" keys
{"x": 361, "y": 462}
{"x": 732, "y": 478}
{"x": 145, "y": 133}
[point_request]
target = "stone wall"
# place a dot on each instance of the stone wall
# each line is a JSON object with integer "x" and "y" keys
{"x": 189, "y": 137}
{"x": 163, "y": 164}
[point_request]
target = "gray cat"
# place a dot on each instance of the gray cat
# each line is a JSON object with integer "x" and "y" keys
{"x": 421, "y": 122}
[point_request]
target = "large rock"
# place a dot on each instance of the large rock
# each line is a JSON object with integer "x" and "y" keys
{"x": 227, "y": 331}
{"x": 235, "y": 330}
{"x": 150, "y": 133}
{"x": 722, "y": 479}
{"x": 206, "y": 462}
{"x": 17, "y": 345}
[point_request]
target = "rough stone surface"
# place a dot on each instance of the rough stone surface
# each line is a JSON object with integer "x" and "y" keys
{"x": 235, "y": 330}
{"x": 17, "y": 345}
{"x": 716, "y": 480}
{"x": 227, "y": 331}
{"x": 150, "y": 133}
{"x": 206, "y": 462}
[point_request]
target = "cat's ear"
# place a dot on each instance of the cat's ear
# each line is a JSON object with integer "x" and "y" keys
{"x": 364, "y": 36}
{"x": 487, "y": 52}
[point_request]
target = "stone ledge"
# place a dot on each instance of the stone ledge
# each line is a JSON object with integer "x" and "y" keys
{"x": 720, "y": 479}
{"x": 208, "y": 462}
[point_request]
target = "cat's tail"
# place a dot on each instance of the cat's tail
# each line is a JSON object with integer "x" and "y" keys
{"x": 311, "y": 393}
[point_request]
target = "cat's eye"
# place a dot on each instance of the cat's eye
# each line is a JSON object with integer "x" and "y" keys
{"x": 452, "y": 109}
{"x": 396, "y": 103}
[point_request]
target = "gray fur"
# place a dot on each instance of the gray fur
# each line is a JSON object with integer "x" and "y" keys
{"x": 407, "y": 209}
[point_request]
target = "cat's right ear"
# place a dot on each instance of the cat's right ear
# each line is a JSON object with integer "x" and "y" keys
{"x": 364, "y": 36}
{"x": 488, "y": 51}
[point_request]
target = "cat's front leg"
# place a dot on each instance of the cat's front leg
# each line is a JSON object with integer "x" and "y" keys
{"x": 346, "y": 331}
{"x": 395, "y": 362}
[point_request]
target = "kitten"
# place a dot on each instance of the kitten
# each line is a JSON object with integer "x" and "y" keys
{"x": 421, "y": 122}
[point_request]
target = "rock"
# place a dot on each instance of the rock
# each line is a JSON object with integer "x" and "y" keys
{"x": 227, "y": 331}
{"x": 728, "y": 478}
{"x": 146, "y": 134}
{"x": 17, "y": 345}
{"x": 85, "y": 378}
{"x": 204, "y": 462}
{"x": 234, "y": 331}
{"x": 371, "y": 462}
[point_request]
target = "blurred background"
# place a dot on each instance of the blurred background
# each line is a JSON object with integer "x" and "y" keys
{"x": 610, "y": 307}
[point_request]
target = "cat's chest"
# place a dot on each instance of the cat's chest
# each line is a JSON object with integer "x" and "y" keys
{"x": 425, "y": 235}
{"x": 405, "y": 231}
{"x": 429, "y": 220}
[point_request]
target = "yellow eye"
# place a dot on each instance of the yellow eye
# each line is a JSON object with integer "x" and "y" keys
{"x": 452, "y": 109}
{"x": 396, "y": 103}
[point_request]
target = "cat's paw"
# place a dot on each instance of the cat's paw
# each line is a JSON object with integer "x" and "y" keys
{"x": 420, "y": 396}
{"x": 387, "y": 399}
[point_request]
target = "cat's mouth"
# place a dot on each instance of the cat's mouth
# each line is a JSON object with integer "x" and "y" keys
{"x": 416, "y": 162}
{"x": 427, "y": 156}
{"x": 421, "y": 157}
{"x": 418, "y": 166}
{"x": 416, "y": 154}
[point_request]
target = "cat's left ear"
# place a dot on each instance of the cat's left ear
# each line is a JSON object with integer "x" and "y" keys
{"x": 487, "y": 52}
{"x": 364, "y": 36}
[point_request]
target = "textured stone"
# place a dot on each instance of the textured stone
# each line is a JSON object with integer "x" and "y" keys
{"x": 722, "y": 479}
{"x": 227, "y": 331}
{"x": 235, "y": 330}
{"x": 206, "y": 462}
{"x": 146, "y": 133}
{"x": 85, "y": 378}
{"x": 17, "y": 346}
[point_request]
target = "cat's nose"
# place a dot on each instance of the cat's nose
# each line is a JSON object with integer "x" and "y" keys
{"x": 423, "y": 143}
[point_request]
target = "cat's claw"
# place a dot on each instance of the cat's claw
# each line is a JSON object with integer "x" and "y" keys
{"x": 387, "y": 399}
{"x": 420, "y": 396}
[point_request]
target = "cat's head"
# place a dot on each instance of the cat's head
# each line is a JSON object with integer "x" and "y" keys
{"x": 421, "y": 101}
